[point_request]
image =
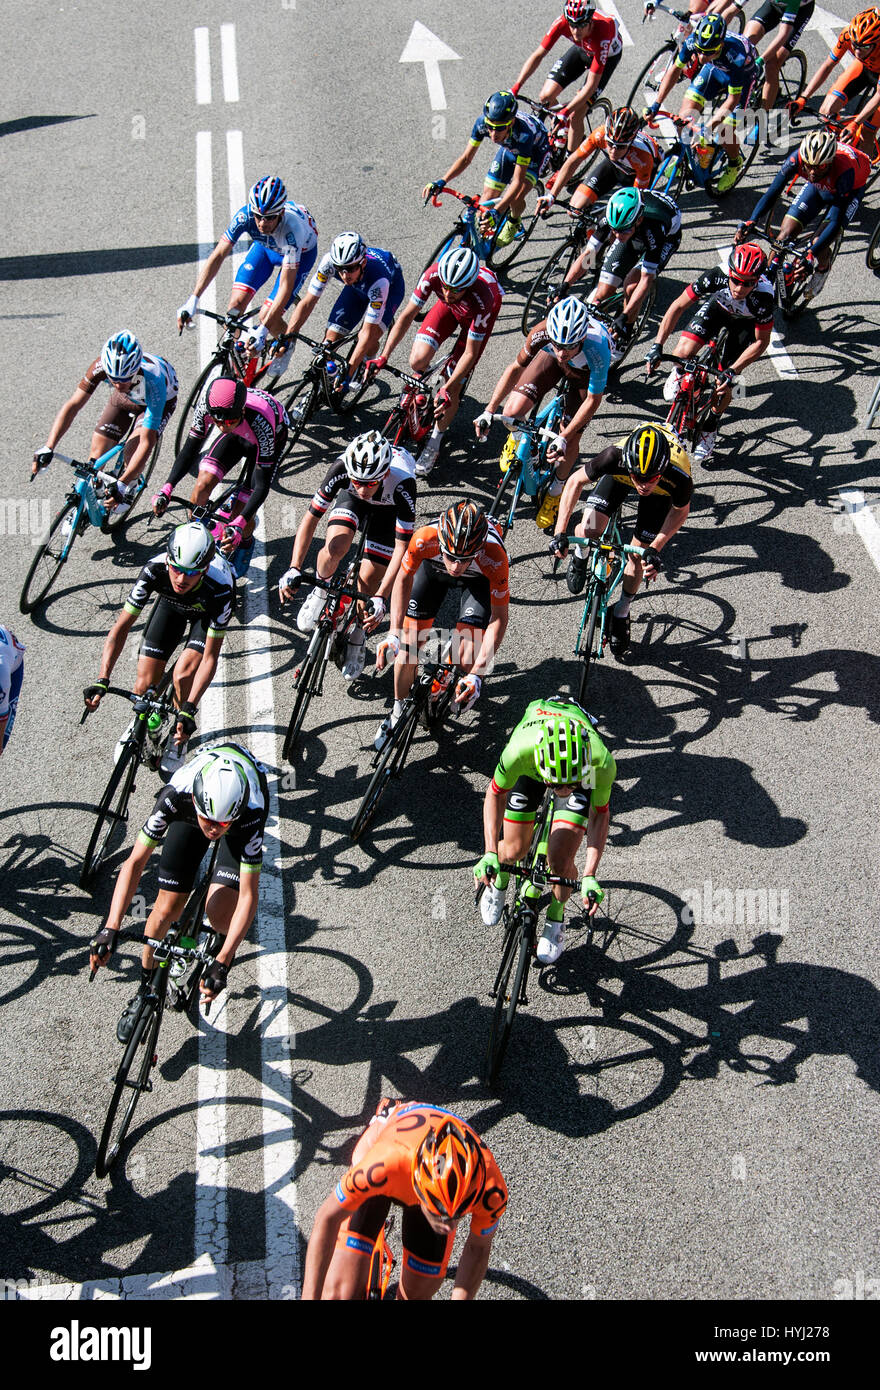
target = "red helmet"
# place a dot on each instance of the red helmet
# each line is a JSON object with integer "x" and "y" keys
{"x": 748, "y": 262}
{"x": 579, "y": 11}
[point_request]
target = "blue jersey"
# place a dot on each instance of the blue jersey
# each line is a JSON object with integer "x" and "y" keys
{"x": 380, "y": 274}
{"x": 736, "y": 62}
{"x": 154, "y": 384}
{"x": 527, "y": 140}
{"x": 295, "y": 234}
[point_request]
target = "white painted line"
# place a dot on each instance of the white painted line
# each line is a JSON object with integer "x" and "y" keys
{"x": 826, "y": 25}
{"x": 203, "y": 1280}
{"x": 237, "y": 191}
{"x": 203, "y": 68}
{"x": 609, "y": 7}
{"x": 229, "y": 62}
{"x": 781, "y": 362}
{"x": 424, "y": 47}
{"x": 864, "y": 521}
{"x": 205, "y": 238}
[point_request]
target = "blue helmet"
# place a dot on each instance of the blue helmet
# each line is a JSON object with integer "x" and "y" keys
{"x": 121, "y": 356}
{"x": 500, "y": 109}
{"x": 710, "y": 34}
{"x": 267, "y": 197}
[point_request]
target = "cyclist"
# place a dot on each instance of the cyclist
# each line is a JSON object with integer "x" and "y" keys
{"x": 433, "y": 1165}
{"x": 468, "y": 300}
{"x": 835, "y": 175}
{"x": 220, "y": 794}
{"x": 740, "y": 299}
{"x": 143, "y": 397}
{"x": 555, "y": 745}
{"x": 595, "y": 45}
{"x": 861, "y": 40}
{"x": 644, "y": 229}
{"x": 569, "y": 344}
{"x": 253, "y": 426}
{"x": 462, "y": 550}
{"x": 11, "y": 677}
{"x": 373, "y": 291}
{"x": 195, "y": 590}
{"x": 284, "y": 235}
{"x": 727, "y": 68}
{"x": 372, "y": 485}
{"x": 629, "y": 157}
{"x": 652, "y": 462}
{"x": 791, "y": 17}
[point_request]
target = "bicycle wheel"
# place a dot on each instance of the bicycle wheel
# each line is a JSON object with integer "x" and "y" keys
{"x": 390, "y": 764}
{"x": 457, "y": 237}
{"x": 120, "y": 1115}
{"x": 300, "y": 405}
{"x": 792, "y": 80}
{"x": 501, "y": 257}
{"x": 587, "y": 653}
{"x": 872, "y": 256}
{"x": 214, "y": 368}
{"x": 647, "y": 84}
{"x": 48, "y": 560}
{"x": 548, "y": 285}
{"x": 515, "y": 957}
{"x": 307, "y": 681}
{"x": 112, "y": 815}
{"x": 597, "y": 115}
{"x": 498, "y": 504}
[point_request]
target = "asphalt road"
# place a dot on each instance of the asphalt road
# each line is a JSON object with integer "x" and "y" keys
{"x": 690, "y": 1115}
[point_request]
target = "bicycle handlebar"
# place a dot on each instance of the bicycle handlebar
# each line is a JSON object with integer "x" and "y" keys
{"x": 468, "y": 199}
{"x": 312, "y": 577}
{"x": 142, "y": 703}
{"x": 529, "y": 427}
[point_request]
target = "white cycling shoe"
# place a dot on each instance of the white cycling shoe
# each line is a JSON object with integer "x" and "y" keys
{"x": 552, "y": 943}
{"x": 355, "y": 655}
{"x": 308, "y": 615}
{"x": 492, "y": 904}
{"x": 383, "y": 733}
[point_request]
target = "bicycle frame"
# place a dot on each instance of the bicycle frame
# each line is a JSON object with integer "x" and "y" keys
{"x": 466, "y": 224}
{"x": 531, "y": 473}
{"x": 607, "y": 566}
{"x": 83, "y": 490}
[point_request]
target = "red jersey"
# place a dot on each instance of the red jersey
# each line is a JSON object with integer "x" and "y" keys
{"x": 848, "y": 172}
{"x": 602, "y": 42}
{"x": 478, "y": 307}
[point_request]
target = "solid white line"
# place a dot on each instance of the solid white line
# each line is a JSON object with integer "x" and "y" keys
{"x": 237, "y": 192}
{"x": 229, "y": 62}
{"x": 610, "y": 8}
{"x": 202, "y": 1280}
{"x": 864, "y": 521}
{"x": 779, "y": 358}
{"x": 205, "y": 238}
{"x": 203, "y": 68}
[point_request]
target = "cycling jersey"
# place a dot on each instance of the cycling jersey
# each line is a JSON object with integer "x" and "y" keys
{"x": 295, "y": 234}
{"x": 659, "y": 226}
{"x": 527, "y": 140}
{"x": 602, "y": 42}
{"x": 845, "y": 45}
{"x": 209, "y": 601}
{"x": 396, "y": 492}
{"x": 261, "y": 434}
{"x": 380, "y": 275}
{"x": 154, "y": 385}
{"x": 174, "y": 805}
{"x": 11, "y": 676}
{"x": 736, "y": 64}
{"x": 757, "y": 307}
{"x": 491, "y": 561}
{"x": 676, "y": 483}
{"x": 477, "y": 308}
{"x": 518, "y": 758}
{"x": 587, "y": 370}
{"x": 385, "y": 1170}
{"x": 840, "y": 191}
{"x": 638, "y": 162}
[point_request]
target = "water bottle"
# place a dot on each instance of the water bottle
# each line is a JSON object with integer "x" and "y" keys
{"x": 154, "y": 722}
{"x": 331, "y": 368}
{"x": 704, "y": 152}
{"x": 179, "y": 967}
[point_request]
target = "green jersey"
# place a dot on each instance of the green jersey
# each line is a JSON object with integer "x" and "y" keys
{"x": 518, "y": 757}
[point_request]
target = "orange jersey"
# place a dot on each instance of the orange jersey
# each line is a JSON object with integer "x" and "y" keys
{"x": 491, "y": 561}
{"x": 386, "y": 1168}
{"x": 844, "y": 45}
{"x": 640, "y": 160}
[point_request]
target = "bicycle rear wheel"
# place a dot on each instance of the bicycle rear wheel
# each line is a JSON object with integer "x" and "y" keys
{"x": 792, "y": 79}
{"x": 548, "y": 286}
{"x": 48, "y": 560}
{"x": 109, "y": 831}
{"x": 502, "y": 257}
{"x": 122, "y": 1106}
{"x": 300, "y": 405}
{"x": 306, "y": 683}
{"x": 509, "y": 984}
{"x": 390, "y": 764}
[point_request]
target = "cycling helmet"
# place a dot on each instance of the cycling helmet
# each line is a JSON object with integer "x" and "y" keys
{"x": 562, "y": 753}
{"x": 267, "y": 197}
{"x": 818, "y": 149}
{"x": 191, "y": 548}
{"x": 348, "y": 250}
{"x": 449, "y": 1171}
{"x": 624, "y": 209}
{"x": 710, "y": 34}
{"x": 220, "y": 788}
{"x": 459, "y": 268}
{"x": 462, "y": 529}
{"x": 579, "y": 11}
{"x": 747, "y": 262}
{"x": 622, "y": 126}
{"x": 568, "y": 322}
{"x": 226, "y": 398}
{"x": 865, "y": 28}
{"x": 121, "y": 356}
{"x": 646, "y": 452}
{"x": 500, "y": 109}
{"x": 367, "y": 458}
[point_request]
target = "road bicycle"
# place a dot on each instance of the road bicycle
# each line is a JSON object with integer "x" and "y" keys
{"x": 428, "y": 704}
{"x": 698, "y": 379}
{"x": 81, "y": 509}
{"x": 557, "y": 122}
{"x": 180, "y": 960}
{"x": 519, "y": 940}
{"x": 692, "y": 162}
{"x": 320, "y": 382}
{"x": 525, "y": 469}
{"x": 605, "y": 559}
{"x": 466, "y": 231}
{"x": 229, "y": 358}
{"x": 329, "y": 640}
{"x": 412, "y": 417}
{"x": 143, "y": 744}
{"x": 381, "y": 1263}
{"x": 793, "y": 273}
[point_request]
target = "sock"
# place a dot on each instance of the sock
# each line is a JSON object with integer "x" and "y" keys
{"x": 555, "y": 910}
{"x": 501, "y": 880}
{"x": 555, "y": 488}
{"x": 623, "y": 605}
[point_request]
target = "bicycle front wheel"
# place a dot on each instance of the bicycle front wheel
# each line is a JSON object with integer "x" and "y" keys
{"x": 214, "y": 368}
{"x": 390, "y": 764}
{"x": 588, "y": 645}
{"x": 48, "y": 560}
{"x": 306, "y": 684}
{"x": 109, "y": 831}
{"x": 300, "y": 405}
{"x": 139, "y": 1057}
{"x": 647, "y": 84}
{"x": 792, "y": 79}
{"x": 515, "y": 957}
{"x": 500, "y": 257}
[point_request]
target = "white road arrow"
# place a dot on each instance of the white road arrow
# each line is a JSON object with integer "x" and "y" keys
{"x": 826, "y": 25}
{"x": 424, "y": 47}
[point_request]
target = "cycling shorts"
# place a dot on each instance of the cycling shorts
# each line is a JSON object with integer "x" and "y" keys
{"x": 183, "y": 850}
{"x": 430, "y": 587}
{"x": 259, "y": 264}
{"x": 351, "y": 305}
{"x": 604, "y": 178}
{"x": 712, "y": 84}
{"x": 856, "y": 80}
{"x": 119, "y": 412}
{"x": 621, "y": 256}
{"x": 574, "y": 63}
{"x": 608, "y": 495}
{"x": 440, "y": 323}
{"x": 504, "y": 165}
{"x": 166, "y": 628}
{"x": 424, "y": 1251}
{"x": 772, "y": 14}
{"x": 525, "y": 797}
{"x": 354, "y": 513}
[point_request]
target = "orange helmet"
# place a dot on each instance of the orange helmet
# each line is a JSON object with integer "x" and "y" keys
{"x": 865, "y": 28}
{"x": 449, "y": 1172}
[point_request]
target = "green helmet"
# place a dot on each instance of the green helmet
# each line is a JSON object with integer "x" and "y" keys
{"x": 562, "y": 752}
{"x": 624, "y": 209}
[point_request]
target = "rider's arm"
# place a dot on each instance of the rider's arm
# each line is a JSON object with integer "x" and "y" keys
{"x": 392, "y": 569}
{"x": 459, "y": 165}
{"x": 569, "y": 499}
{"x": 303, "y": 539}
{"x": 212, "y": 265}
{"x": 146, "y": 444}
{"x": 673, "y": 314}
{"x": 504, "y": 385}
{"x": 598, "y": 824}
{"x": 472, "y": 1266}
{"x": 492, "y": 638}
{"x": 494, "y": 803}
{"x": 66, "y": 416}
{"x": 755, "y": 349}
{"x": 401, "y": 326}
{"x": 400, "y": 597}
{"x": 244, "y": 913}
{"x": 822, "y": 71}
{"x": 322, "y": 1242}
{"x": 788, "y": 168}
{"x": 673, "y": 521}
{"x": 127, "y": 882}
{"x": 272, "y": 312}
{"x": 115, "y": 640}
{"x": 207, "y": 667}
{"x": 533, "y": 61}
{"x": 583, "y": 415}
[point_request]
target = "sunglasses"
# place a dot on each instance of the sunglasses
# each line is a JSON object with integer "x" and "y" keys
{"x": 188, "y": 573}
{"x": 743, "y": 279}
{"x": 491, "y": 125}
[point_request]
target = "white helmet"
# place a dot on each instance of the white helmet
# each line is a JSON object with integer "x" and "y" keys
{"x": 191, "y": 548}
{"x": 121, "y": 356}
{"x": 348, "y": 250}
{"x": 220, "y": 789}
{"x": 368, "y": 457}
{"x": 568, "y": 322}
{"x": 459, "y": 267}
